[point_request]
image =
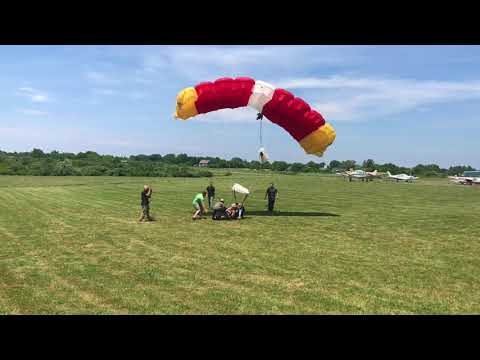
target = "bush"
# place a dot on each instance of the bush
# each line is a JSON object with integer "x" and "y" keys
{"x": 177, "y": 171}
{"x": 4, "y": 169}
{"x": 117, "y": 172}
{"x": 228, "y": 173}
{"x": 93, "y": 170}
{"x": 205, "y": 173}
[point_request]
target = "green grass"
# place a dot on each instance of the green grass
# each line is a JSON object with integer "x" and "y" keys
{"x": 72, "y": 246}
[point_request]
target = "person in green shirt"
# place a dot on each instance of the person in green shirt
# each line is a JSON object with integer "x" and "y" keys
{"x": 198, "y": 205}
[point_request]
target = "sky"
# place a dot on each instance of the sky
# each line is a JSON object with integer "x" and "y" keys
{"x": 401, "y": 104}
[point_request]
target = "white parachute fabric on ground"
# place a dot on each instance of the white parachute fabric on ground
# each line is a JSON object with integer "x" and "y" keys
{"x": 240, "y": 189}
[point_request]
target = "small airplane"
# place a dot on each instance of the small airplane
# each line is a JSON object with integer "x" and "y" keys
{"x": 361, "y": 174}
{"x": 464, "y": 180}
{"x": 375, "y": 174}
{"x": 402, "y": 177}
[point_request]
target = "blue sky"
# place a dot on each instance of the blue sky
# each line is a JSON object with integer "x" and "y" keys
{"x": 400, "y": 104}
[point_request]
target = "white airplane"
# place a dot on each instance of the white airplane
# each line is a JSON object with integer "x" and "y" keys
{"x": 360, "y": 174}
{"x": 375, "y": 174}
{"x": 402, "y": 177}
{"x": 355, "y": 174}
{"x": 464, "y": 180}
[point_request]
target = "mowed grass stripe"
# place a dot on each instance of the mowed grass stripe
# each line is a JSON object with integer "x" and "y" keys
{"x": 392, "y": 249}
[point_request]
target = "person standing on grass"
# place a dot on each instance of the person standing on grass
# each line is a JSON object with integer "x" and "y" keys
{"x": 211, "y": 195}
{"x": 272, "y": 195}
{"x": 198, "y": 205}
{"x": 145, "y": 196}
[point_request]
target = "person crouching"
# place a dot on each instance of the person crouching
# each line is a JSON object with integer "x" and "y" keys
{"x": 199, "y": 205}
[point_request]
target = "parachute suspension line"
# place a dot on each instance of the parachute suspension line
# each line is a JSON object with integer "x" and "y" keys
{"x": 261, "y": 137}
{"x": 260, "y": 117}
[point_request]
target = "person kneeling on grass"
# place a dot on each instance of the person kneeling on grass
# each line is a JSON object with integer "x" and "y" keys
{"x": 219, "y": 211}
{"x": 234, "y": 211}
{"x": 198, "y": 205}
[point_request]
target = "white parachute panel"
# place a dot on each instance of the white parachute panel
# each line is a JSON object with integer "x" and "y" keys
{"x": 262, "y": 93}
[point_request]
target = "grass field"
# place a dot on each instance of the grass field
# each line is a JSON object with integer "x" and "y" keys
{"x": 72, "y": 245}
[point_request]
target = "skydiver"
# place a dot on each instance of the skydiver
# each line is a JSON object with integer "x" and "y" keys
{"x": 271, "y": 194}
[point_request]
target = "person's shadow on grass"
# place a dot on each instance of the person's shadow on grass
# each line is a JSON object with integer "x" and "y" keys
{"x": 288, "y": 213}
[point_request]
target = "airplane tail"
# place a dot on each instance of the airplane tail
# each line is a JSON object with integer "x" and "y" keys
{"x": 388, "y": 173}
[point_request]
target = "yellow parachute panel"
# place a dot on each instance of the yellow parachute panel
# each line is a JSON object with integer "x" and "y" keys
{"x": 317, "y": 142}
{"x": 186, "y": 104}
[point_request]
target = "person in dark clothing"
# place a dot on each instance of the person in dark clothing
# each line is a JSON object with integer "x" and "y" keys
{"x": 145, "y": 202}
{"x": 211, "y": 195}
{"x": 219, "y": 210}
{"x": 272, "y": 195}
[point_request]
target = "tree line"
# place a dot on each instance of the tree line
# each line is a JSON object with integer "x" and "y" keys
{"x": 90, "y": 163}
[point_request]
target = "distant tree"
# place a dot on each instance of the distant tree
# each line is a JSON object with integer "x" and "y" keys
{"x": 348, "y": 164}
{"x": 96, "y": 170}
{"x": 142, "y": 158}
{"x": 117, "y": 172}
{"x": 155, "y": 157}
{"x": 92, "y": 155}
{"x": 255, "y": 165}
{"x": 389, "y": 167}
{"x": 4, "y": 169}
{"x": 45, "y": 168}
{"x": 91, "y": 163}
{"x": 334, "y": 164}
{"x": 236, "y": 163}
{"x": 311, "y": 167}
{"x": 64, "y": 168}
{"x": 427, "y": 170}
{"x": 368, "y": 165}
{"x": 279, "y": 166}
{"x": 54, "y": 154}
{"x": 182, "y": 159}
{"x": 169, "y": 158}
{"x": 266, "y": 165}
{"x": 459, "y": 169}
{"x": 221, "y": 164}
{"x": 296, "y": 167}
{"x": 37, "y": 153}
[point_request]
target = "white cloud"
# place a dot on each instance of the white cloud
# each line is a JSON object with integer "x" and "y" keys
{"x": 137, "y": 95}
{"x": 101, "y": 78}
{"x": 240, "y": 115}
{"x": 360, "y": 99}
{"x": 33, "y": 112}
{"x": 24, "y": 136}
{"x": 201, "y": 63}
{"x": 95, "y": 76}
{"x": 104, "y": 92}
{"x": 39, "y": 98}
{"x": 33, "y": 94}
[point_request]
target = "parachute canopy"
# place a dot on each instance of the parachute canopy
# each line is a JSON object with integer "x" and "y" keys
{"x": 279, "y": 106}
{"x": 240, "y": 189}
